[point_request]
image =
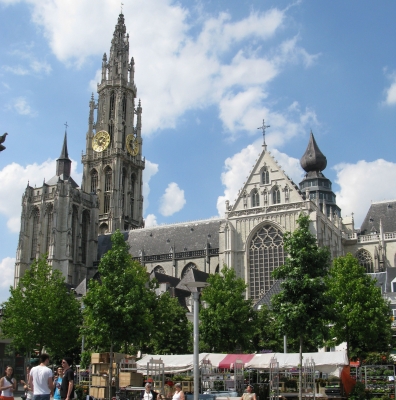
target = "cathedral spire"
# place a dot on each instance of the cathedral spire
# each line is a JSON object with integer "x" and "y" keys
{"x": 63, "y": 163}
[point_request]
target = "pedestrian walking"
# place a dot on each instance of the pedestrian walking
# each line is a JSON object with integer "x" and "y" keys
{"x": 25, "y": 383}
{"x": 58, "y": 383}
{"x": 179, "y": 394}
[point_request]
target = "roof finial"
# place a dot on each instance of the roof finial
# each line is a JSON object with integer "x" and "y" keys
{"x": 66, "y": 126}
{"x": 263, "y": 128}
{"x": 121, "y": 7}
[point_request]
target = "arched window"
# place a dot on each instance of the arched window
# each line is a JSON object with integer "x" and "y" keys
{"x": 276, "y": 199}
{"x": 133, "y": 183}
{"x": 103, "y": 229}
{"x": 365, "y": 260}
{"x": 187, "y": 268}
{"x": 111, "y": 108}
{"x": 84, "y": 236}
{"x": 50, "y": 214}
{"x": 265, "y": 176}
{"x": 94, "y": 181}
{"x": 255, "y": 197}
{"x": 217, "y": 269}
{"x": 265, "y": 254}
{"x": 111, "y": 132}
{"x": 159, "y": 270}
{"x": 124, "y": 106}
{"x": 74, "y": 232}
{"x": 123, "y": 183}
{"x": 107, "y": 189}
{"x": 35, "y": 221}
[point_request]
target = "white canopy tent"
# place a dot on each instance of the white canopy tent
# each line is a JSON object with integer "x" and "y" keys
{"x": 326, "y": 362}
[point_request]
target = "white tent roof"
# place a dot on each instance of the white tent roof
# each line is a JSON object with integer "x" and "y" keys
{"x": 327, "y": 362}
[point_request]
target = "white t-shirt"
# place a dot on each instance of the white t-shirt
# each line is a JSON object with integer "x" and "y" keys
{"x": 40, "y": 375}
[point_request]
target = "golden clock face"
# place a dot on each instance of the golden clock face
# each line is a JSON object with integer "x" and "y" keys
{"x": 132, "y": 145}
{"x": 101, "y": 141}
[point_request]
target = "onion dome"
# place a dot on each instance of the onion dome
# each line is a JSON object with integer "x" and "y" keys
{"x": 313, "y": 159}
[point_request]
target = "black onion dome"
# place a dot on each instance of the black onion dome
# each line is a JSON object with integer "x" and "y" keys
{"x": 313, "y": 159}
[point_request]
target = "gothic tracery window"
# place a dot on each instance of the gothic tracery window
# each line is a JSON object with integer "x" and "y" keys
{"x": 94, "y": 181}
{"x": 133, "y": 182}
{"x": 255, "y": 196}
{"x": 107, "y": 189}
{"x": 50, "y": 214}
{"x": 84, "y": 236}
{"x": 35, "y": 220}
{"x": 74, "y": 231}
{"x": 365, "y": 260}
{"x": 187, "y": 268}
{"x": 265, "y": 254}
{"x": 276, "y": 199}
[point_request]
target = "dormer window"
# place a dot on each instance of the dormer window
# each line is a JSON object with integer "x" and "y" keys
{"x": 255, "y": 196}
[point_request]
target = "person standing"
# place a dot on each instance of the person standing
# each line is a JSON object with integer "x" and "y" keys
{"x": 249, "y": 395}
{"x": 8, "y": 384}
{"x": 40, "y": 379}
{"x": 148, "y": 393}
{"x": 67, "y": 385}
{"x": 58, "y": 383}
{"x": 179, "y": 394}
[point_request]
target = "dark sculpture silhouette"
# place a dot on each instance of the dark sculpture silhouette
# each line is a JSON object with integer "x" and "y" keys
{"x": 2, "y": 139}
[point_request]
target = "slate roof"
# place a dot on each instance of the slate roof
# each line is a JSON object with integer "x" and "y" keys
{"x": 55, "y": 179}
{"x": 161, "y": 239}
{"x": 104, "y": 244}
{"x": 266, "y": 299}
{"x": 384, "y": 211}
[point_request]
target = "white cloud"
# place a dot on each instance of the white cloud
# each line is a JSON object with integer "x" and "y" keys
{"x": 362, "y": 183}
{"x": 17, "y": 70}
{"x": 33, "y": 65}
{"x": 7, "y": 277}
{"x": 149, "y": 171}
{"x": 7, "y": 272}
{"x": 238, "y": 166}
{"x": 14, "y": 178}
{"x": 150, "y": 220}
{"x": 22, "y": 107}
{"x": 172, "y": 200}
{"x": 193, "y": 61}
{"x": 391, "y": 92}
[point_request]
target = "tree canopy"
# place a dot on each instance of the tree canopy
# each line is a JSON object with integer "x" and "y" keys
{"x": 361, "y": 315}
{"x": 41, "y": 312}
{"x": 118, "y": 306}
{"x": 301, "y": 308}
{"x": 227, "y": 318}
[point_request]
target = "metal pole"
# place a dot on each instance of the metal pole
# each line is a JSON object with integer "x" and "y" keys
{"x": 285, "y": 344}
{"x": 196, "y": 345}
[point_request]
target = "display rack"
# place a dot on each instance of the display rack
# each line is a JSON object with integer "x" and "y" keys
{"x": 274, "y": 379}
{"x": 379, "y": 380}
{"x": 156, "y": 372}
{"x": 309, "y": 377}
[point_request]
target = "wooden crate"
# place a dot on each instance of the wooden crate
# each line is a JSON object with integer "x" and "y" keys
{"x": 95, "y": 358}
{"x": 130, "y": 379}
{"x": 103, "y": 393}
{"x": 100, "y": 380}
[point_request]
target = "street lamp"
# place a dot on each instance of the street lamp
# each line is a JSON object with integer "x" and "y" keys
{"x": 198, "y": 286}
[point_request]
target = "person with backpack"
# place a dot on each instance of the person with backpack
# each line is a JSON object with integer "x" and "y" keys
{"x": 8, "y": 384}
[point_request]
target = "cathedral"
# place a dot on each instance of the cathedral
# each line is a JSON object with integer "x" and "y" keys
{"x": 74, "y": 224}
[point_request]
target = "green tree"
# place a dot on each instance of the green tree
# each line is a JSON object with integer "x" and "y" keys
{"x": 227, "y": 318}
{"x": 118, "y": 306}
{"x": 41, "y": 312}
{"x": 362, "y": 315}
{"x": 172, "y": 333}
{"x": 301, "y": 308}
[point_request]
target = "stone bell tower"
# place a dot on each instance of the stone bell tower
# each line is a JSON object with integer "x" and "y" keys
{"x": 113, "y": 162}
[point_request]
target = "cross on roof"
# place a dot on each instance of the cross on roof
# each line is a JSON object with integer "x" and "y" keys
{"x": 66, "y": 125}
{"x": 263, "y": 128}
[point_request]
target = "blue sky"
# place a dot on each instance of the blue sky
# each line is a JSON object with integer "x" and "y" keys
{"x": 207, "y": 73}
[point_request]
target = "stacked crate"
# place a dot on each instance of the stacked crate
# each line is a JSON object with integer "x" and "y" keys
{"x": 100, "y": 368}
{"x": 128, "y": 375}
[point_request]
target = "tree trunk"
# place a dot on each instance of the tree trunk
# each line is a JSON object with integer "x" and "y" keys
{"x": 300, "y": 371}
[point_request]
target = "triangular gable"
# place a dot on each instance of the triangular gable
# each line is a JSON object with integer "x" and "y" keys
{"x": 265, "y": 178}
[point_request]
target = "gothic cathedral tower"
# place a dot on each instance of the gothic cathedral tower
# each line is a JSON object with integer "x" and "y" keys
{"x": 113, "y": 163}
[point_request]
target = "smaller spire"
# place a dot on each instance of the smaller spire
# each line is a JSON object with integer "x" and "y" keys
{"x": 64, "y": 153}
{"x": 313, "y": 159}
{"x": 63, "y": 163}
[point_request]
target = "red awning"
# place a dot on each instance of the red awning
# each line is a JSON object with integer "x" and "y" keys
{"x": 229, "y": 360}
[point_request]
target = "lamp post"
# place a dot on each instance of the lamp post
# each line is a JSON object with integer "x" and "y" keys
{"x": 198, "y": 286}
